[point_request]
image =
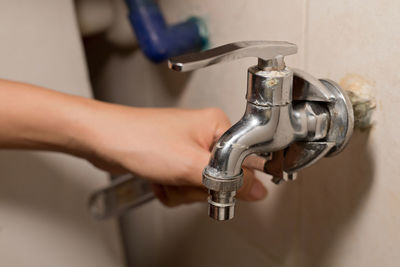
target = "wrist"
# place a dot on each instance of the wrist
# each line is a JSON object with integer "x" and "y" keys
{"x": 78, "y": 126}
{"x": 94, "y": 134}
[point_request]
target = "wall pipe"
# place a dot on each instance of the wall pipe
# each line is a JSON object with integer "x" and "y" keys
{"x": 160, "y": 41}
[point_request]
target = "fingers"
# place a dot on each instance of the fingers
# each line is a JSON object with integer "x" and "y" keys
{"x": 188, "y": 188}
{"x": 172, "y": 196}
{"x": 195, "y": 167}
{"x": 252, "y": 189}
{"x": 222, "y": 122}
{"x": 214, "y": 123}
{"x": 217, "y": 123}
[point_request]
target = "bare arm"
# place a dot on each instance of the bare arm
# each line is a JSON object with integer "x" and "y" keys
{"x": 170, "y": 147}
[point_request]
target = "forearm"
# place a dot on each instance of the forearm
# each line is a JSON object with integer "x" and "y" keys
{"x": 32, "y": 117}
{"x": 167, "y": 146}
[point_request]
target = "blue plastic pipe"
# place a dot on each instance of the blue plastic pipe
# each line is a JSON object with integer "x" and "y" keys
{"x": 160, "y": 41}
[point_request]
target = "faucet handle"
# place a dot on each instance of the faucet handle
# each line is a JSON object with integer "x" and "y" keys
{"x": 264, "y": 50}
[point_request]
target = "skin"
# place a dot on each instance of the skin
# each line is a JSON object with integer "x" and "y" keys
{"x": 169, "y": 147}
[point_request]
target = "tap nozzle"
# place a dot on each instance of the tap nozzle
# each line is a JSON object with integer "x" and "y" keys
{"x": 221, "y": 205}
{"x": 222, "y": 191}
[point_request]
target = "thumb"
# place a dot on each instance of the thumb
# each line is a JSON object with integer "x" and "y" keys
{"x": 252, "y": 189}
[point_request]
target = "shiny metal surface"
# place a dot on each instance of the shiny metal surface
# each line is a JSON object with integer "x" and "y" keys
{"x": 261, "y": 129}
{"x": 291, "y": 119}
{"x": 316, "y": 118}
{"x": 264, "y": 50}
{"x": 300, "y": 155}
{"x": 125, "y": 192}
{"x": 342, "y": 118}
{"x": 269, "y": 88}
{"x": 214, "y": 181}
{"x": 308, "y": 88}
{"x": 285, "y": 164}
{"x": 221, "y": 205}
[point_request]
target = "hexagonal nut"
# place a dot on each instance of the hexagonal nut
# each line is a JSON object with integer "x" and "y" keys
{"x": 223, "y": 184}
{"x": 317, "y": 120}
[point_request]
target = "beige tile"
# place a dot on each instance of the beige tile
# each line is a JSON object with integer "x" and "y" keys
{"x": 349, "y": 201}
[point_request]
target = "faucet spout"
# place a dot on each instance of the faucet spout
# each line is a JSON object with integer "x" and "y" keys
{"x": 262, "y": 129}
{"x": 256, "y": 127}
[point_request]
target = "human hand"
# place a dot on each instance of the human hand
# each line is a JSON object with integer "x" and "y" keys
{"x": 170, "y": 147}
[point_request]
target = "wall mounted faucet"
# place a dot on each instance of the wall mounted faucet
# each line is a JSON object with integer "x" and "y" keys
{"x": 291, "y": 120}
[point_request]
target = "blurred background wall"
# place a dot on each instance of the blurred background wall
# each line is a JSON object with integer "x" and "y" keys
{"x": 341, "y": 212}
{"x": 43, "y": 216}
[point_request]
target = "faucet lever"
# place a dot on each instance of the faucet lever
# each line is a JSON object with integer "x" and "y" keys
{"x": 264, "y": 50}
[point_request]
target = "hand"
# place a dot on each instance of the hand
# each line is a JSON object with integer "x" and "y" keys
{"x": 170, "y": 147}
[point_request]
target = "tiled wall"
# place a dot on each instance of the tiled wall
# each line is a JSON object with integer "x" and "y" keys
{"x": 344, "y": 211}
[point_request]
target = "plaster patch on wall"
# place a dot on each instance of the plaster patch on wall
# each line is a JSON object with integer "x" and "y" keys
{"x": 359, "y": 90}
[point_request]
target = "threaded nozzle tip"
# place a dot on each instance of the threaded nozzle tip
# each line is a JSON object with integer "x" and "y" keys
{"x": 221, "y": 205}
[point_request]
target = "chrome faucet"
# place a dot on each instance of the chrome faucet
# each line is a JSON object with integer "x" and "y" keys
{"x": 291, "y": 120}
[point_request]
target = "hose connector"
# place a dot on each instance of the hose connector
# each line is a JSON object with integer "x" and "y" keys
{"x": 222, "y": 191}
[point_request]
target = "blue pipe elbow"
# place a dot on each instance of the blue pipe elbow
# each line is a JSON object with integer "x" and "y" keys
{"x": 160, "y": 41}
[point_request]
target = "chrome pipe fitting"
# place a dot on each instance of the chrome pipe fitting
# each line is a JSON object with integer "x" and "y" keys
{"x": 221, "y": 205}
{"x": 290, "y": 116}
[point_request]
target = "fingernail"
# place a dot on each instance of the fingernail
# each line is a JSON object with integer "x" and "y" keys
{"x": 258, "y": 191}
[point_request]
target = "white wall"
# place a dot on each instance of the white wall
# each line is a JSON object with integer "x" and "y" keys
{"x": 342, "y": 211}
{"x": 43, "y": 214}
